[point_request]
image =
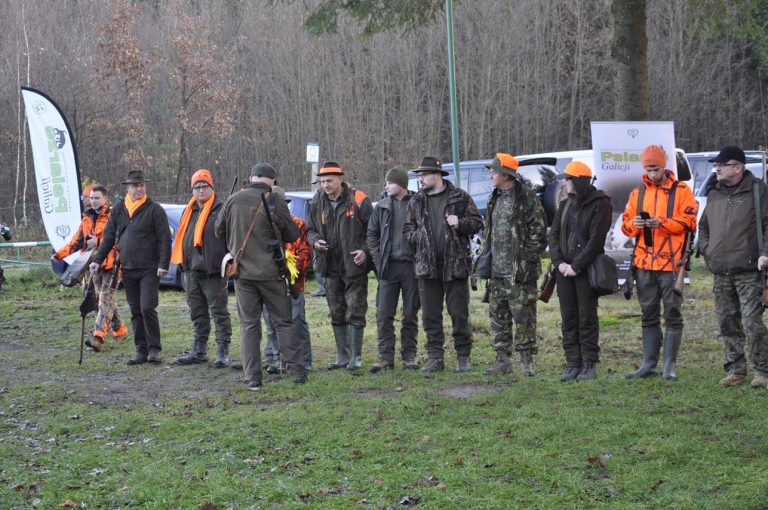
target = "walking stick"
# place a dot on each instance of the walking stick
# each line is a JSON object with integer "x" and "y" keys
{"x": 89, "y": 304}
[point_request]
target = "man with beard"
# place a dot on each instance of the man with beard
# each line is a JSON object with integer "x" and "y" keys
{"x": 441, "y": 219}
{"x": 662, "y": 210}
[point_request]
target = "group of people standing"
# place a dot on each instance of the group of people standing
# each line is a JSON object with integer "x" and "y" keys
{"x": 418, "y": 244}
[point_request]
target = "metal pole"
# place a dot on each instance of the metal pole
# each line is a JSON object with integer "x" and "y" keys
{"x": 452, "y": 92}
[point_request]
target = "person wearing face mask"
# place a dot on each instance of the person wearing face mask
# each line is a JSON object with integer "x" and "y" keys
{"x": 199, "y": 252}
{"x": 660, "y": 214}
{"x": 576, "y": 238}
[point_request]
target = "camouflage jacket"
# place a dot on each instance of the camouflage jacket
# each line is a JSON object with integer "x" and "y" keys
{"x": 518, "y": 239}
{"x": 418, "y": 232}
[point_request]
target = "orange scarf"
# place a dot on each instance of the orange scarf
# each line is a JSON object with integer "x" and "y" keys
{"x": 131, "y": 205}
{"x": 177, "y": 257}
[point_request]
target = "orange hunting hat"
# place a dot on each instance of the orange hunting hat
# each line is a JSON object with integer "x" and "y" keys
{"x": 330, "y": 168}
{"x": 654, "y": 155}
{"x": 504, "y": 163}
{"x": 576, "y": 169}
{"x": 87, "y": 190}
{"x": 202, "y": 175}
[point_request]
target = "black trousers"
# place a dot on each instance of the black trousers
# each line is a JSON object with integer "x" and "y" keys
{"x": 432, "y": 293}
{"x": 578, "y": 311}
{"x": 141, "y": 292}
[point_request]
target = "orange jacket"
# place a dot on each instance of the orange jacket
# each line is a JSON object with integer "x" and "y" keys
{"x": 669, "y": 236}
{"x": 88, "y": 227}
{"x": 300, "y": 248}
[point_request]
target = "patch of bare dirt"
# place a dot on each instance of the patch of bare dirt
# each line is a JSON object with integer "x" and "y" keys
{"x": 465, "y": 391}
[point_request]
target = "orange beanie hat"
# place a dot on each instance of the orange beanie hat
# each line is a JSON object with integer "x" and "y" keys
{"x": 202, "y": 175}
{"x": 654, "y": 155}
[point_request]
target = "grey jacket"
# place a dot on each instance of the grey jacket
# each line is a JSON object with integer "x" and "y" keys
{"x": 379, "y": 236}
{"x": 728, "y": 228}
{"x": 232, "y": 226}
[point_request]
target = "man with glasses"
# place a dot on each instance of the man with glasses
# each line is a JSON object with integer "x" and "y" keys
{"x": 198, "y": 252}
{"x": 661, "y": 216}
{"x": 732, "y": 231}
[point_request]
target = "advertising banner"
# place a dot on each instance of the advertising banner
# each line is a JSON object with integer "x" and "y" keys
{"x": 616, "y": 147}
{"x": 57, "y": 174}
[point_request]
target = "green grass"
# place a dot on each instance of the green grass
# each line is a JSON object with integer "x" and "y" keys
{"x": 111, "y": 436}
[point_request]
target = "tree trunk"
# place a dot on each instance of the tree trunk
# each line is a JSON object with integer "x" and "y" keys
{"x": 630, "y": 60}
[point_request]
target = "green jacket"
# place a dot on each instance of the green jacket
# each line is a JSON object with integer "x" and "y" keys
{"x": 235, "y": 218}
{"x": 728, "y": 228}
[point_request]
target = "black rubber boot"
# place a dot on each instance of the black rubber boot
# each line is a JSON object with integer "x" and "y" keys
{"x": 671, "y": 347}
{"x": 588, "y": 371}
{"x": 356, "y": 347}
{"x": 342, "y": 347}
{"x": 651, "y": 346}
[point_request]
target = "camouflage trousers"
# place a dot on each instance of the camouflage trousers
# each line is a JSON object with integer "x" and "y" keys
{"x": 512, "y": 312}
{"x": 740, "y": 315}
{"x": 347, "y": 299}
{"x": 107, "y": 316}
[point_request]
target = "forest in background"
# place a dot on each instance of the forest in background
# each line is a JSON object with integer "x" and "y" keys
{"x": 172, "y": 86}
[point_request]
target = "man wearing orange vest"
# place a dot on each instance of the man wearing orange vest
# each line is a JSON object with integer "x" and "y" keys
{"x": 660, "y": 215}
{"x": 82, "y": 239}
{"x": 198, "y": 252}
{"x": 88, "y": 237}
{"x": 337, "y": 226}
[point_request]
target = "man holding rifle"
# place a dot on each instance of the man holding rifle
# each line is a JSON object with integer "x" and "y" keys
{"x": 732, "y": 235}
{"x": 244, "y": 224}
{"x": 661, "y": 216}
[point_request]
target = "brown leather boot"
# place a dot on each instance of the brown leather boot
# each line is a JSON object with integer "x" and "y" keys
{"x": 382, "y": 364}
{"x": 526, "y": 363}
{"x": 503, "y": 365}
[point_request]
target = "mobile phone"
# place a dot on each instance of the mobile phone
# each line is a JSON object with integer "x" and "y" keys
{"x": 647, "y": 234}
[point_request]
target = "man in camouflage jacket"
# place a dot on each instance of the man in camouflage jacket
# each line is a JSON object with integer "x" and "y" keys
{"x": 515, "y": 236}
{"x": 440, "y": 220}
